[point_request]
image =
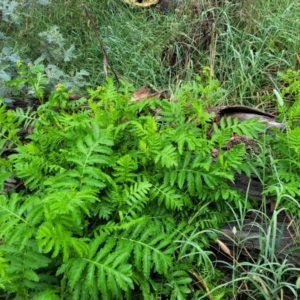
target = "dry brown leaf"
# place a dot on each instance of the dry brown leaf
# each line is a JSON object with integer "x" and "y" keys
{"x": 224, "y": 248}
{"x": 201, "y": 283}
{"x": 142, "y": 3}
{"x": 143, "y": 93}
{"x": 297, "y": 62}
{"x": 262, "y": 283}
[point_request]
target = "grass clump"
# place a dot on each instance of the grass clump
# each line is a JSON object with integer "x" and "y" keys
{"x": 244, "y": 44}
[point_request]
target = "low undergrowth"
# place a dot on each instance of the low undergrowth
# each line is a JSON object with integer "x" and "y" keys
{"x": 118, "y": 199}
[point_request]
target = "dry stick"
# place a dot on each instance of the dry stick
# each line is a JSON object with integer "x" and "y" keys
{"x": 213, "y": 51}
{"x": 106, "y": 62}
{"x": 202, "y": 283}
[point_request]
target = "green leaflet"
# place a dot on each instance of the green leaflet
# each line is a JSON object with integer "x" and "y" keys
{"x": 151, "y": 249}
{"x": 125, "y": 170}
{"x": 106, "y": 265}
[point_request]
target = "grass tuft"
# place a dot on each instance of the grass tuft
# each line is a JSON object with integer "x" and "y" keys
{"x": 244, "y": 43}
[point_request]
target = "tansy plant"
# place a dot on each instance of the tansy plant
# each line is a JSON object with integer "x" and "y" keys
{"x": 115, "y": 199}
{"x": 32, "y": 79}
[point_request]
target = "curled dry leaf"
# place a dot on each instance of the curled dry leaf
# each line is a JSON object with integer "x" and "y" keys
{"x": 224, "y": 248}
{"x": 144, "y": 93}
{"x": 262, "y": 283}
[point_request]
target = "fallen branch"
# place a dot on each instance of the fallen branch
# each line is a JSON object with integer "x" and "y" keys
{"x": 106, "y": 61}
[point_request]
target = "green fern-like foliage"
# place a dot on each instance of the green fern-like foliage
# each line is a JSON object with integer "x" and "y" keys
{"x": 125, "y": 170}
{"x": 104, "y": 269}
{"x": 113, "y": 195}
{"x": 10, "y": 127}
{"x": 283, "y": 183}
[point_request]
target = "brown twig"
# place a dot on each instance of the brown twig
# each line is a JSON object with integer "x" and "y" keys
{"x": 106, "y": 61}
